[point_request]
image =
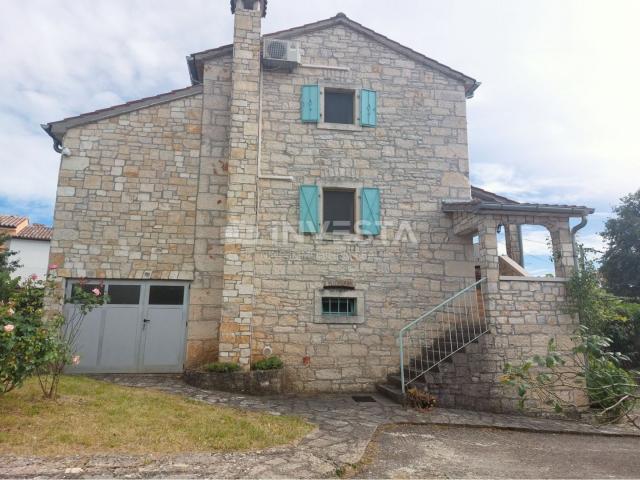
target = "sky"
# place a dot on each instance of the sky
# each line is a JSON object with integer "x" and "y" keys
{"x": 553, "y": 121}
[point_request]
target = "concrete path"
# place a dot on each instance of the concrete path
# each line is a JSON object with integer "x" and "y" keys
{"x": 345, "y": 428}
{"x": 429, "y": 451}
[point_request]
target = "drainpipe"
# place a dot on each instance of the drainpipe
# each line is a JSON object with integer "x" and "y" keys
{"x": 574, "y": 230}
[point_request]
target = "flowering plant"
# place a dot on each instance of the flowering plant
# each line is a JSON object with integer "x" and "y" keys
{"x": 64, "y": 335}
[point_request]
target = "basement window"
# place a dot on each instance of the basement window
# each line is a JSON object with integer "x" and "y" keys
{"x": 339, "y": 106}
{"x": 346, "y": 307}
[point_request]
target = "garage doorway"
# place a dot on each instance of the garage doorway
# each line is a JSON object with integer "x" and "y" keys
{"x": 141, "y": 330}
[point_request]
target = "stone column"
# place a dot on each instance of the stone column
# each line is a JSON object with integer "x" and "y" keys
{"x": 562, "y": 247}
{"x": 239, "y": 247}
{"x": 512, "y": 238}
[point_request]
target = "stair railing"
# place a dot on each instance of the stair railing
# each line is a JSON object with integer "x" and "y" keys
{"x": 442, "y": 331}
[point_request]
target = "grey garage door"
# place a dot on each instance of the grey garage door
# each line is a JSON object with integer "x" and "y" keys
{"x": 141, "y": 330}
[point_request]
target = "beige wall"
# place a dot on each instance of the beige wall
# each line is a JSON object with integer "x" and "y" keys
{"x": 126, "y": 199}
{"x": 416, "y": 156}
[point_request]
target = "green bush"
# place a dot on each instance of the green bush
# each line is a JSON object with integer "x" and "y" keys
{"x": 25, "y": 342}
{"x": 625, "y": 333}
{"x": 611, "y": 388}
{"x": 222, "y": 367}
{"x": 271, "y": 363}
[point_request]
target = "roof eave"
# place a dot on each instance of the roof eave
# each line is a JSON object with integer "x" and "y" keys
{"x": 58, "y": 129}
{"x": 488, "y": 208}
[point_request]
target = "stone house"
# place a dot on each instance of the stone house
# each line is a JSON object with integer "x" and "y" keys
{"x": 308, "y": 196}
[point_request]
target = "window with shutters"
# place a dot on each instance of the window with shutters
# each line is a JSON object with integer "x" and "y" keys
{"x": 337, "y": 108}
{"x": 338, "y": 207}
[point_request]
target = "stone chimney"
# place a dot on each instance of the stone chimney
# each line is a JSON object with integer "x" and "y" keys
{"x": 241, "y": 220}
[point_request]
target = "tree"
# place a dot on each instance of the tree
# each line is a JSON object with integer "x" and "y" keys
{"x": 621, "y": 262}
{"x": 8, "y": 265}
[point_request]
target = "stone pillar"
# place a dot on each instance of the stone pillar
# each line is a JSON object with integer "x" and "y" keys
{"x": 562, "y": 247}
{"x": 512, "y": 238}
{"x": 488, "y": 251}
{"x": 241, "y": 220}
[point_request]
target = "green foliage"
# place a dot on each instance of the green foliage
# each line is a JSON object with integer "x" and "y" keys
{"x": 270, "y": 363}
{"x": 25, "y": 340}
{"x": 621, "y": 261}
{"x": 29, "y": 345}
{"x": 611, "y": 390}
{"x": 8, "y": 265}
{"x": 222, "y": 367}
{"x": 586, "y": 298}
{"x": 625, "y": 333}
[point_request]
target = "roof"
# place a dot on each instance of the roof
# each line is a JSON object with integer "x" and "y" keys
{"x": 12, "y": 221}
{"x": 56, "y": 130}
{"x": 483, "y": 201}
{"x": 37, "y": 231}
{"x": 486, "y": 196}
{"x": 196, "y": 60}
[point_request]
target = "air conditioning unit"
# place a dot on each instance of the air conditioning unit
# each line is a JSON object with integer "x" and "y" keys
{"x": 281, "y": 53}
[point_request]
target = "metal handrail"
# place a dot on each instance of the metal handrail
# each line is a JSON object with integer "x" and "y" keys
{"x": 468, "y": 336}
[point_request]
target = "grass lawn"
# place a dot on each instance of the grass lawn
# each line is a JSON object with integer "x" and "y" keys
{"x": 97, "y": 417}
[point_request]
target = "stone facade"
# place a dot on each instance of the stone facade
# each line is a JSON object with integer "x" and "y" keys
{"x": 205, "y": 189}
{"x": 126, "y": 199}
{"x": 524, "y": 314}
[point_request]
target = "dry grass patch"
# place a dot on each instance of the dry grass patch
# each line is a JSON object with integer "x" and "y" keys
{"x": 92, "y": 416}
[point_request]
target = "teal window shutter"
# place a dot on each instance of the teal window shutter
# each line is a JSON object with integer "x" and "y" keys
{"x": 370, "y": 211}
{"x": 310, "y": 103}
{"x": 309, "y": 215}
{"x": 368, "y": 108}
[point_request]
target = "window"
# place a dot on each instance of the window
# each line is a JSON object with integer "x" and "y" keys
{"x": 166, "y": 295}
{"x": 338, "y": 207}
{"x": 339, "y": 306}
{"x": 124, "y": 294}
{"x": 339, "y": 106}
{"x": 86, "y": 288}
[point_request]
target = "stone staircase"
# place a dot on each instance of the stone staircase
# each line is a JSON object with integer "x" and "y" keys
{"x": 433, "y": 371}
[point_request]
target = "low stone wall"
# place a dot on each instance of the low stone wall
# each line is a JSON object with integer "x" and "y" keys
{"x": 524, "y": 314}
{"x": 254, "y": 382}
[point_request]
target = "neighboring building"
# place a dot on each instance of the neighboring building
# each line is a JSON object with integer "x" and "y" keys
{"x": 310, "y": 208}
{"x": 30, "y": 242}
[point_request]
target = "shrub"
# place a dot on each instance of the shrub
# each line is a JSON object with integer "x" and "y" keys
{"x": 270, "y": 363}
{"x": 24, "y": 343}
{"x": 222, "y": 367}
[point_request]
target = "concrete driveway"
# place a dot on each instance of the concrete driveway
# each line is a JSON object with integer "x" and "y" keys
{"x": 430, "y": 451}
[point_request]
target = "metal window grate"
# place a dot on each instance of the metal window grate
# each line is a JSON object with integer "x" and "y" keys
{"x": 339, "y": 306}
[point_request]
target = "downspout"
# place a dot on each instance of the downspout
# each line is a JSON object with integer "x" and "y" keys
{"x": 574, "y": 230}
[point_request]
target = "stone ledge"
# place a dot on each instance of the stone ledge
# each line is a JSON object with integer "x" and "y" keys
{"x": 254, "y": 382}
{"x": 507, "y": 278}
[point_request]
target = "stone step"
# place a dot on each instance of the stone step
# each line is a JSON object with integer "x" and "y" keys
{"x": 390, "y": 391}
{"x": 394, "y": 380}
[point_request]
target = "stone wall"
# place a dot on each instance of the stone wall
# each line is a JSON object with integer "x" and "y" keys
{"x": 416, "y": 156}
{"x": 126, "y": 199}
{"x": 206, "y": 290}
{"x": 524, "y": 315}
